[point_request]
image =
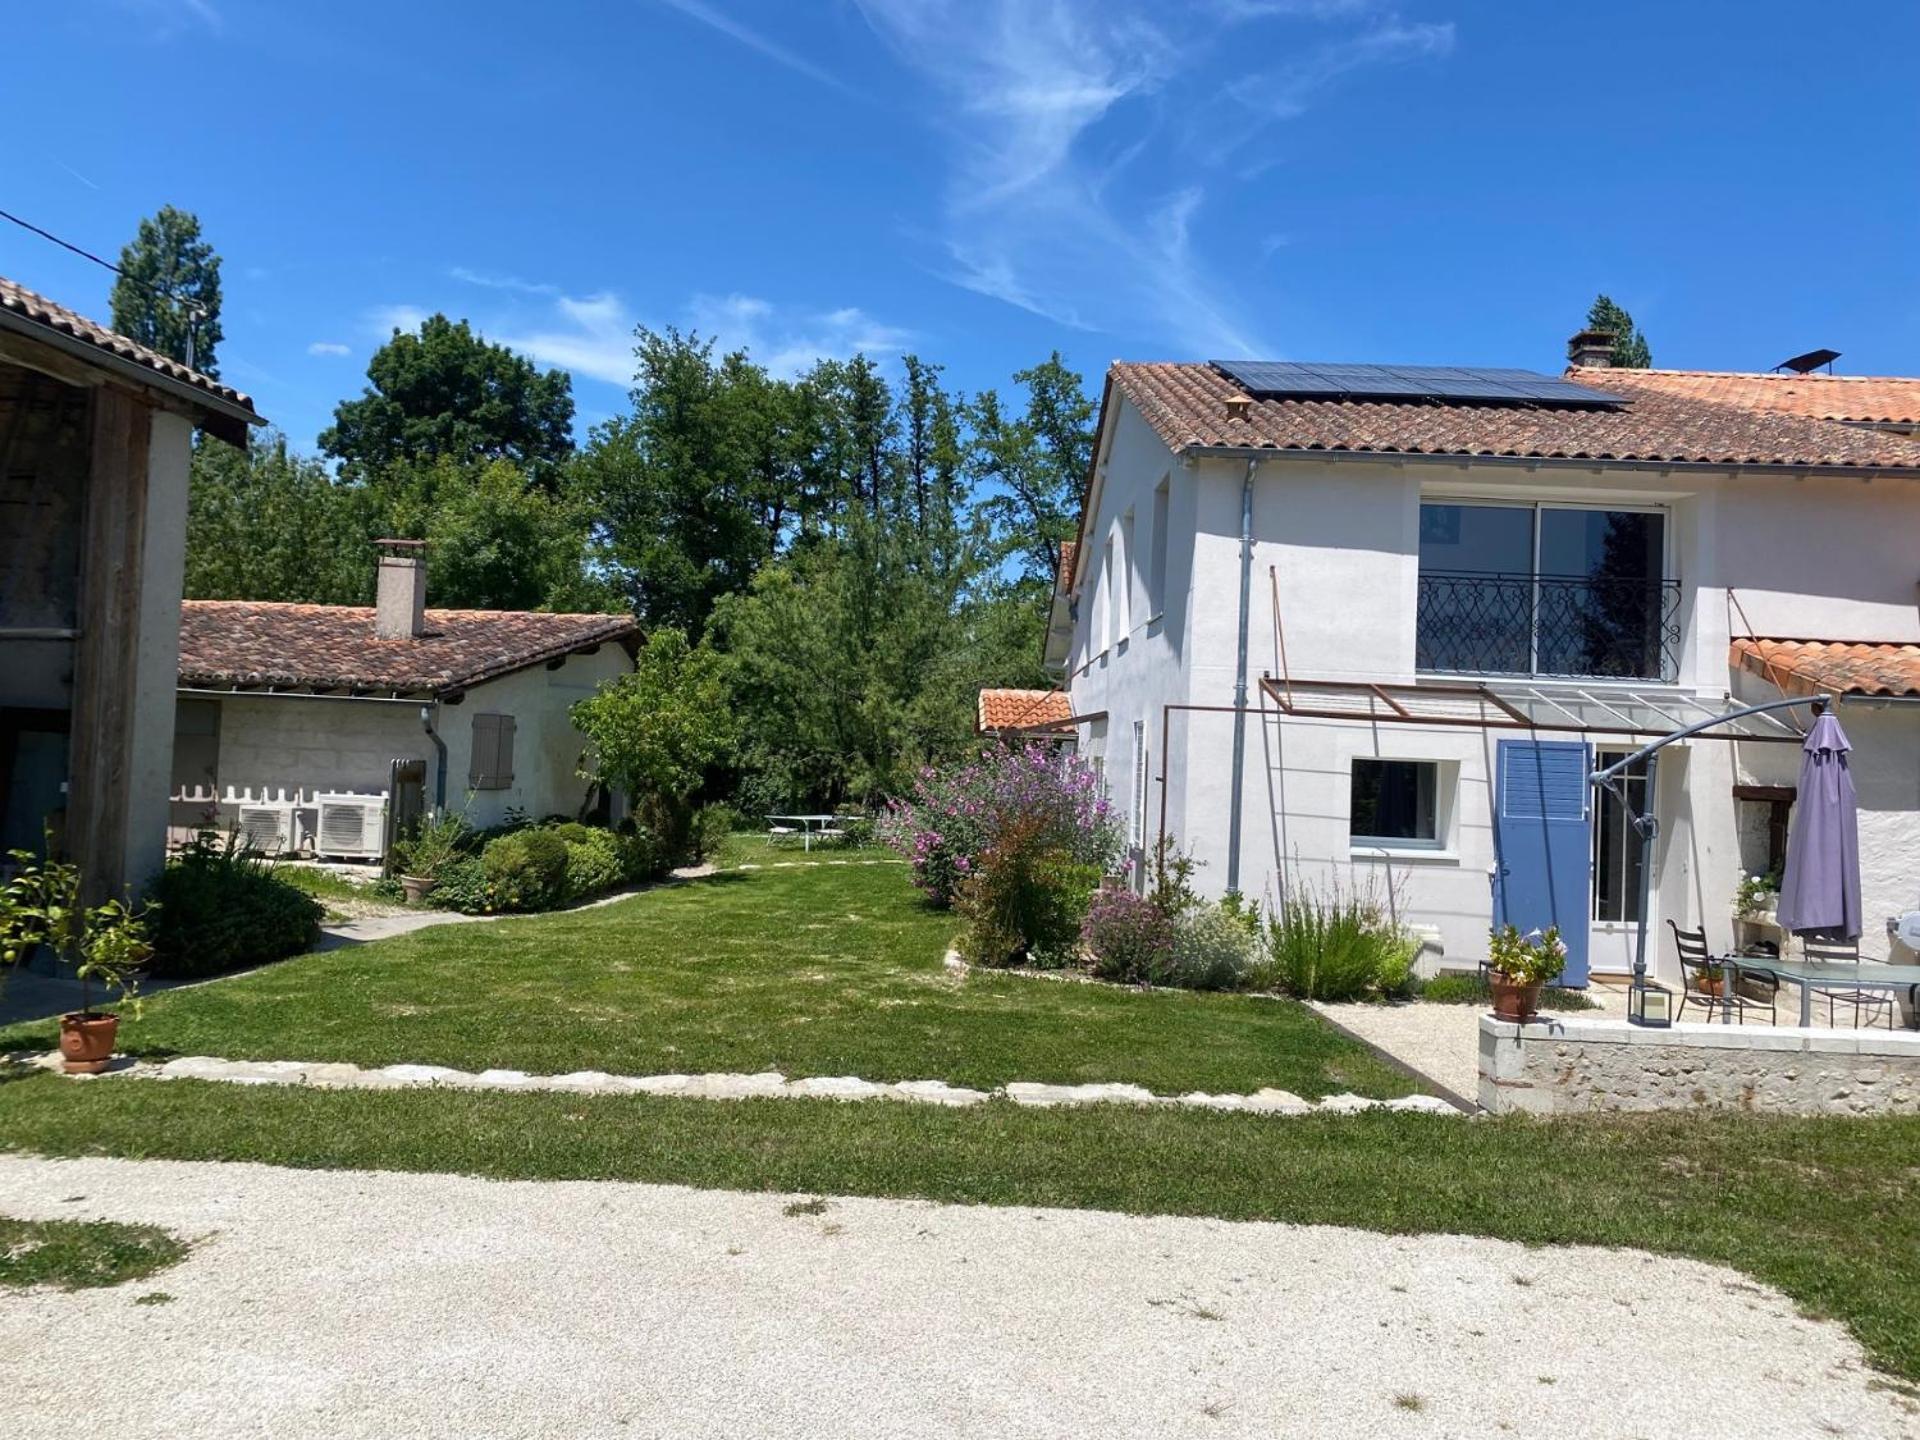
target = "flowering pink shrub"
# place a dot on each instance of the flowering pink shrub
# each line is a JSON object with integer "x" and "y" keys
{"x": 956, "y": 814}
{"x": 1130, "y": 938}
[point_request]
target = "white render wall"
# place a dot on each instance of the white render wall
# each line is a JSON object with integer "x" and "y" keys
{"x": 290, "y": 741}
{"x": 163, "y": 570}
{"x": 1814, "y": 557}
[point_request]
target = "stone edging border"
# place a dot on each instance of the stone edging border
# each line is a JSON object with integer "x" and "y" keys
{"x": 723, "y": 1086}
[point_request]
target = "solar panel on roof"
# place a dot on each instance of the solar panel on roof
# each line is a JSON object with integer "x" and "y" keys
{"x": 1287, "y": 379}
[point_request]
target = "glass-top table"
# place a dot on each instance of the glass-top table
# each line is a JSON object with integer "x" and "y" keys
{"x": 1819, "y": 975}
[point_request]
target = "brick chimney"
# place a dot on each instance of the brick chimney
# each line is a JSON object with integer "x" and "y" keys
{"x": 1591, "y": 350}
{"x": 400, "y": 601}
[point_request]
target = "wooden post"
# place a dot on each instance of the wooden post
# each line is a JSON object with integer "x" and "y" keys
{"x": 105, "y": 656}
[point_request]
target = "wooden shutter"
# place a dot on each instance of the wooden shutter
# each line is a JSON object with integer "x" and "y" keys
{"x": 491, "y": 765}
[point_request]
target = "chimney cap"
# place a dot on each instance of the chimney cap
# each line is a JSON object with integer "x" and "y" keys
{"x": 395, "y": 544}
{"x": 1591, "y": 348}
{"x": 1239, "y": 406}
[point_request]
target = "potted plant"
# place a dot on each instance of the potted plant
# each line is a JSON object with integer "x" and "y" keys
{"x": 436, "y": 845}
{"x": 1712, "y": 979}
{"x": 107, "y": 944}
{"x": 1519, "y": 967}
{"x": 1756, "y": 896}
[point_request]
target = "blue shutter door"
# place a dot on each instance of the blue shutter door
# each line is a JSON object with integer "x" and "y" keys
{"x": 1542, "y": 837}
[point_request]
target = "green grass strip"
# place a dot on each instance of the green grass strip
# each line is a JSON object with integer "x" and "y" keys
{"x": 82, "y": 1254}
{"x": 1828, "y": 1210}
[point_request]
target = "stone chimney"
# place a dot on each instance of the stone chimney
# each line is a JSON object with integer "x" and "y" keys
{"x": 400, "y": 601}
{"x": 1591, "y": 350}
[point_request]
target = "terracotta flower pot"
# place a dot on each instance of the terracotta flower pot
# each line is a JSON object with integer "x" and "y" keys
{"x": 86, "y": 1042}
{"x": 1512, "y": 999}
{"x": 1712, "y": 985}
{"x": 416, "y": 887}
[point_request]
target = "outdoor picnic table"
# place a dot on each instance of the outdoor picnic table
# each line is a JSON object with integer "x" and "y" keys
{"x": 809, "y": 825}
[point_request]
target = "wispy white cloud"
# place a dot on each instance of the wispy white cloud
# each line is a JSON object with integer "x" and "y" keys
{"x": 490, "y": 281}
{"x": 592, "y": 336}
{"x": 1285, "y": 92}
{"x": 329, "y": 347}
{"x": 1074, "y": 189}
{"x": 716, "y": 19}
{"x": 787, "y": 340}
{"x": 383, "y": 320}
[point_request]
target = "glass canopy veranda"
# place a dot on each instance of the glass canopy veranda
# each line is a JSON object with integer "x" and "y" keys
{"x": 1607, "y": 709}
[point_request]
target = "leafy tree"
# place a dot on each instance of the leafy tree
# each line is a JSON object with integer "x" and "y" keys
{"x": 495, "y": 542}
{"x": 447, "y": 393}
{"x": 693, "y": 490}
{"x": 168, "y": 294}
{"x": 655, "y": 733}
{"x": 1630, "y": 350}
{"x": 268, "y": 524}
{"x": 1035, "y": 465}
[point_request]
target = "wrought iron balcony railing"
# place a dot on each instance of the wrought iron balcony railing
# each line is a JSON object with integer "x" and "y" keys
{"x": 1549, "y": 625}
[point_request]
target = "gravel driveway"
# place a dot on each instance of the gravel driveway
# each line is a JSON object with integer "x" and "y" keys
{"x": 348, "y": 1304}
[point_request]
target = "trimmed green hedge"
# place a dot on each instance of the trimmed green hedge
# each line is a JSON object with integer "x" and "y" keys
{"x": 222, "y": 909}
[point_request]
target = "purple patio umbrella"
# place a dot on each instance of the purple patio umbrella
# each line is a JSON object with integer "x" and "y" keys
{"x": 1820, "y": 891}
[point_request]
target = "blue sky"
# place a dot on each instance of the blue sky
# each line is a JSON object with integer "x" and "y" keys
{"x": 982, "y": 181}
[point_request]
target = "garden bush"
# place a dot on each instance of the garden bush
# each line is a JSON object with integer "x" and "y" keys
{"x": 1333, "y": 944}
{"x": 955, "y": 815}
{"x": 594, "y": 860}
{"x": 1129, "y": 937}
{"x": 526, "y": 870}
{"x": 221, "y": 908}
{"x": 1214, "y": 948}
{"x": 1026, "y": 901}
{"x": 463, "y": 887}
{"x": 643, "y": 856}
{"x": 709, "y": 829}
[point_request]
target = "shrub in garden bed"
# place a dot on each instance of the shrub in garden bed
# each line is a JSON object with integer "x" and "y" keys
{"x": 1026, "y": 899}
{"x": 955, "y": 815}
{"x": 538, "y": 867}
{"x": 1129, "y": 937}
{"x": 220, "y": 908}
{"x": 1336, "y": 944}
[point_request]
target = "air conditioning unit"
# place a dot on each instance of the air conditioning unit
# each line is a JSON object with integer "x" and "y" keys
{"x": 350, "y": 826}
{"x": 265, "y": 828}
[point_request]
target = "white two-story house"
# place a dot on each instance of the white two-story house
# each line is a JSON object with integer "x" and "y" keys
{"x": 1374, "y": 626}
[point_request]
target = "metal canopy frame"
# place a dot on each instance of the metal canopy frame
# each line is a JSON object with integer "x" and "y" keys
{"x": 1584, "y": 709}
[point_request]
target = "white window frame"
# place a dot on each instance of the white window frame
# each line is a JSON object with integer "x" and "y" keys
{"x": 1446, "y": 785}
{"x": 1157, "y": 564}
{"x": 1137, "y": 822}
{"x": 1504, "y": 502}
{"x": 1630, "y": 840}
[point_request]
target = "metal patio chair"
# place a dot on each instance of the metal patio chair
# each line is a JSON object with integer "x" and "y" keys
{"x": 1847, "y": 952}
{"x": 1696, "y": 958}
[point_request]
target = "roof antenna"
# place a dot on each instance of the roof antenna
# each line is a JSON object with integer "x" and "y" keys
{"x": 1806, "y": 364}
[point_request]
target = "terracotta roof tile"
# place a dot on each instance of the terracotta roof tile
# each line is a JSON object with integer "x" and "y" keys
{"x": 21, "y": 301}
{"x": 1869, "y": 399}
{"x": 1022, "y": 709}
{"x": 1813, "y": 667}
{"x": 250, "y": 644}
{"x": 1186, "y": 404}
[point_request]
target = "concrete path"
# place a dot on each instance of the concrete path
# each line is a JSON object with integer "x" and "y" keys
{"x": 349, "y": 1304}
{"x": 1441, "y": 1042}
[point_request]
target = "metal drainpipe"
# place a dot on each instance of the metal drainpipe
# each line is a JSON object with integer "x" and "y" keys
{"x": 440, "y": 767}
{"x": 1240, "y": 680}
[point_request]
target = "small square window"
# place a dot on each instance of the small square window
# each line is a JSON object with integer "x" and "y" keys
{"x": 1395, "y": 802}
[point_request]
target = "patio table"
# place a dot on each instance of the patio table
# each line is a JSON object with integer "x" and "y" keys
{"x": 810, "y": 825}
{"x": 1815, "y": 975}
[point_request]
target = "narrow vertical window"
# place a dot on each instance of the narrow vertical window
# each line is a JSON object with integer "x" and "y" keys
{"x": 1124, "y": 594}
{"x": 1137, "y": 824}
{"x": 1157, "y": 567}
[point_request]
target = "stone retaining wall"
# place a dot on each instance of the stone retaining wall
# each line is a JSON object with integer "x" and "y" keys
{"x": 1565, "y": 1065}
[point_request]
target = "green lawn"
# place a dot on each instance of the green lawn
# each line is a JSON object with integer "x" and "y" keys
{"x": 821, "y": 970}
{"x": 1828, "y": 1210}
{"x": 82, "y": 1254}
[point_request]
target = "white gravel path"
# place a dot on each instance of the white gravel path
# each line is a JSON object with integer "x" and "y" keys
{"x": 348, "y": 1304}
